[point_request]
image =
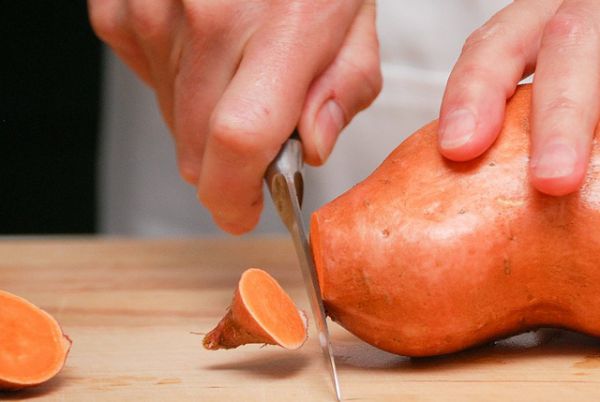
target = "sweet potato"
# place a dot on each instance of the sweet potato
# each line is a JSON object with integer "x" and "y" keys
{"x": 428, "y": 256}
{"x": 261, "y": 312}
{"x": 33, "y": 348}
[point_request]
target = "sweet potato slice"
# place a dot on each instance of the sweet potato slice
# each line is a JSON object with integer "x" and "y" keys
{"x": 33, "y": 348}
{"x": 261, "y": 312}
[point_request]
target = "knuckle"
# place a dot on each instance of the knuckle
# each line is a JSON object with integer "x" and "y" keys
{"x": 209, "y": 19}
{"x": 475, "y": 71}
{"x": 193, "y": 12}
{"x": 483, "y": 35}
{"x": 473, "y": 41}
{"x": 367, "y": 73}
{"x": 469, "y": 78}
{"x": 206, "y": 198}
{"x": 195, "y": 8}
{"x": 374, "y": 78}
{"x": 145, "y": 19}
{"x": 187, "y": 171}
{"x": 496, "y": 33}
{"x": 568, "y": 27}
{"x": 238, "y": 133}
{"x": 562, "y": 104}
{"x": 104, "y": 21}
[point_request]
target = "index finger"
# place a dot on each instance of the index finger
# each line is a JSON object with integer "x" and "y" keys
{"x": 493, "y": 61}
{"x": 261, "y": 107}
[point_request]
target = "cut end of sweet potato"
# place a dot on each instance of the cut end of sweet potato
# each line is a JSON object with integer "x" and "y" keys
{"x": 33, "y": 348}
{"x": 261, "y": 312}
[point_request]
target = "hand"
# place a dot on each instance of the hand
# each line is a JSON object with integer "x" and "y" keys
{"x": 233, "y": 78}
{"x": 560, "y": 41}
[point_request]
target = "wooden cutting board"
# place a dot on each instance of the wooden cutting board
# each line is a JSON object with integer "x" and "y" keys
{"x": 135, "y": 308}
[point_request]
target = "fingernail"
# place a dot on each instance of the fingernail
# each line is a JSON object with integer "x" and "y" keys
{"x": 457, "y": 129}
{"x": 555, "y": 160}
{"x": 330, "y": 121}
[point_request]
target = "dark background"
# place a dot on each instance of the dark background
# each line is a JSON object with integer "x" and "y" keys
{"x": 49, "y": 103}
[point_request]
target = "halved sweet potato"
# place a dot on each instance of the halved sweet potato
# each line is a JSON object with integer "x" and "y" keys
{"x": 33, "y": 348}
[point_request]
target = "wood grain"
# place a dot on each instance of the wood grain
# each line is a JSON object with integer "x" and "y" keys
{"x": 134, "y": 309}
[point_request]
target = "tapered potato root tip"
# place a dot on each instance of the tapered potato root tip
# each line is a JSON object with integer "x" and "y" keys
{"x": 260, "y": 312}
{"x": 228, "y": 334}
{"x": 33, "y": 348}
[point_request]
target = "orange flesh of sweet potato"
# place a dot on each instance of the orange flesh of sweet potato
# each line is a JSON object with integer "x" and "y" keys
{"x": 428, "y": 256}
{"x": 33, "y": 348}
{"x": 261, "y": 312}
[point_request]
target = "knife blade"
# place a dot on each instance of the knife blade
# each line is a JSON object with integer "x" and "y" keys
{"x": 286, "y": 185}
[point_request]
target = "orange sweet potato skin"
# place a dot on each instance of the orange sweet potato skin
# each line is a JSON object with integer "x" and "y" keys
{"x": 427, "y": 256}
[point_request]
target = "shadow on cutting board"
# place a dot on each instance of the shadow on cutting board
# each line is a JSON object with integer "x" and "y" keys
{"x": 274, "y": 365}
{"x": 352, "y": 353}
{"x": 42, "y": 390}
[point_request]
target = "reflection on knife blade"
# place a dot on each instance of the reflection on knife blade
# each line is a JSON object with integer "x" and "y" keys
{"x": 284, "y": 179}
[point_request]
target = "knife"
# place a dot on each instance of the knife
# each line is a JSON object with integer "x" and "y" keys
{"x": 286, "y": 185}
